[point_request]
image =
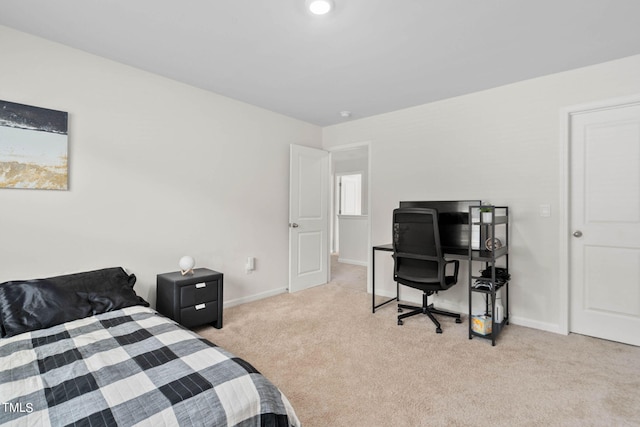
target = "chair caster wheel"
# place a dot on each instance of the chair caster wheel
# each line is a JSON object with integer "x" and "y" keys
{"x": 399, "y": 310}
{"x": 438, "y": 330}
{"x": 400, "y": 322}
{"x": 458, "y": 320}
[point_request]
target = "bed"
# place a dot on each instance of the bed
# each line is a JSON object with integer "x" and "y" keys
{"x": 84, "y": 349}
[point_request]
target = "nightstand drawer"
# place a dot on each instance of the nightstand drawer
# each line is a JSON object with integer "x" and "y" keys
{"x": 206, "y": 312}
{"x": 197, "y": 293}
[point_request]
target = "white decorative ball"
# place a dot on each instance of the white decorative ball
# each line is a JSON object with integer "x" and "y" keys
{"x": 187, "y": 263}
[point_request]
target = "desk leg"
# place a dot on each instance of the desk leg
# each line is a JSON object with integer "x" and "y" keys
{"x": 373, "y": 286}
{"x": 373, "y": 280}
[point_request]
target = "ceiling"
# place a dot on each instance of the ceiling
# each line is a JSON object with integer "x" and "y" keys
{"x": 367, "y": 57}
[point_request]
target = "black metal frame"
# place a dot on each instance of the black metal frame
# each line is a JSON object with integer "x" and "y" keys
{"x": 490, "y": 258}
{"x": 385, "y": 248}
{"x": 454, "y": 253}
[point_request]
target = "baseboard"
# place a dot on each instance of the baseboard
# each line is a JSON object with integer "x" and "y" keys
{"x": 514, "y": 320}
{"x": 255, "y": 297}
{"x": 535, "y": 324}
{"x": 463, "y": 309}
{"x": 353, "y": 261}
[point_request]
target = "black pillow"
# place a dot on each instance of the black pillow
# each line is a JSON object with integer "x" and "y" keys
{"x": 104, "y": 301}
{"x": 106, "y": 289}
{"x": 36, "y": 304}
{"x": 28, "y": 305}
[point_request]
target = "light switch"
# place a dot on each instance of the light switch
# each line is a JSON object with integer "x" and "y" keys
{"x": 545, "y": 210}
{"x": 251, "y": 264}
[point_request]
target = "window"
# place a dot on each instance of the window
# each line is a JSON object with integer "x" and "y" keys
{"x": 350, "y": 194}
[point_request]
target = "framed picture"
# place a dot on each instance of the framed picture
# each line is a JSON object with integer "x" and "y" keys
{"x": 33, "y": 147}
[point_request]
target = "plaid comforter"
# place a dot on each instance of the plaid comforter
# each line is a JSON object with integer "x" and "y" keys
{"x": 131, "y": 367}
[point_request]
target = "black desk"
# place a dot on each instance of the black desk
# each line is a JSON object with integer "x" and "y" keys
{"x": 460, "y": 253}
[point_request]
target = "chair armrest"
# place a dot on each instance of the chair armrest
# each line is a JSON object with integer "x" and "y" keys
{"x": 456, "y": 264}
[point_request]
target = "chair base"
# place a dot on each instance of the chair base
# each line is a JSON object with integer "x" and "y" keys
{"x": 428, "y": 310}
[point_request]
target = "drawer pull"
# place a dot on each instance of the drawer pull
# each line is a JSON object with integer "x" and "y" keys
{"x": 201, "y": 285}
{"x": 199, "y": 306}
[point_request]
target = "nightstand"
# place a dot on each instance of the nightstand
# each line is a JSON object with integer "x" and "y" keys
{"x": 191, "y": 300}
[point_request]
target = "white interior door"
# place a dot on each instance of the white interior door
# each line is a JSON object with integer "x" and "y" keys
{"x": 605, "y": 222}
{"x": 308, "y": 217}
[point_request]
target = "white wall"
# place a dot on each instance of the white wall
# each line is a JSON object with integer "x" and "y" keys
{"x": 354, "y": 231}
{"x": 158, "y": 169}
{"x": 500, "y": 145}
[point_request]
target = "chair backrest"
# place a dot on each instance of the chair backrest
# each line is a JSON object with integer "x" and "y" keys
{"x": 416, "y": 246}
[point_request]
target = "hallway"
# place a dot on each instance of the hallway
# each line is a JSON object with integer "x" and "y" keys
{"x": 348, "y": 275}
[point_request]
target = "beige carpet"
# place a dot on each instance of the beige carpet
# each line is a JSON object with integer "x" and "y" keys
{"x": 348, "y": 275}
{"x": 341, "y": 365}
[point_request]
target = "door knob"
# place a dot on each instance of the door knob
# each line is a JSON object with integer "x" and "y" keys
{"x": 577, "y": 233}
{"x": 293, "y": 225}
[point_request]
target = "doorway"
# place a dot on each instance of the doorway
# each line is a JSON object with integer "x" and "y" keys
{"x": 350, "y": 227}
{"x": 603, "y": 220}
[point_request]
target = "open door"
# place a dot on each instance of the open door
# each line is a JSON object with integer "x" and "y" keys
{"x": 308, "y": 217}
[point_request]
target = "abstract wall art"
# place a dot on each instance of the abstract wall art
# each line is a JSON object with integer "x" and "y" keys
{"x": 33, "y": 147}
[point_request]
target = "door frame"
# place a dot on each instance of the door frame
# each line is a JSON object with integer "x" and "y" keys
{"x": 565, "y": 195}
{"x": 332, "y": 196}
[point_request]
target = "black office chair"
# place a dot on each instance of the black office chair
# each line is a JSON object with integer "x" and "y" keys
{"x": 418, "y": 260}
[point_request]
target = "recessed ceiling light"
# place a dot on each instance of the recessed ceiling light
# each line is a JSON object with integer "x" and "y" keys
{"x": 320, "y": 7}
{"x": 345, "y": 114}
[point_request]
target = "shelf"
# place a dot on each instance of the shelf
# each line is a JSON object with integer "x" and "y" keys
{"x": 488, "y": 256}
{"x": 497, "y": 225}
{"x": 488, "y": 279}
{"x": 488, "y": 291}
{"x": 499, "y": 220}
